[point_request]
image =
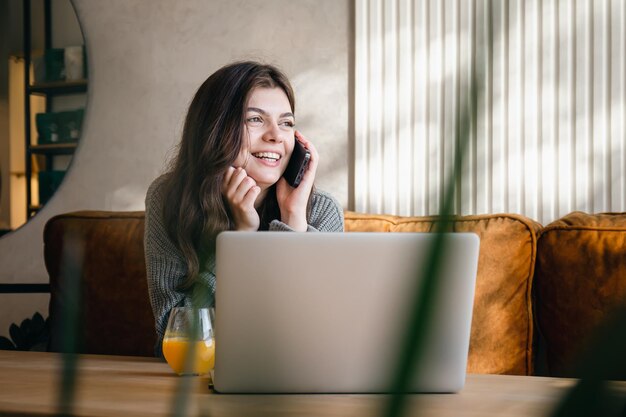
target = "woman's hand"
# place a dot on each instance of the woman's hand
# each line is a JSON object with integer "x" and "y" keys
{"x": 241, "y": 192}
{"x": 293, "y": 201}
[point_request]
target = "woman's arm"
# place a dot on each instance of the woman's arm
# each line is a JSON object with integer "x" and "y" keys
{"x": 165, "y": 266}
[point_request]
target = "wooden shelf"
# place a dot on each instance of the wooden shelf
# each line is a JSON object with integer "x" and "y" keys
{"x": 54, "y": 149}
{"x": 59, "y": 87}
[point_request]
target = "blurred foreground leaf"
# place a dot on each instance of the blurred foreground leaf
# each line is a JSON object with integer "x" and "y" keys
{"x": 200, "y": 297}
{"x": 603, "y": 361}
{"x": 70, "y": 318}
{"x": 420, "y": 320}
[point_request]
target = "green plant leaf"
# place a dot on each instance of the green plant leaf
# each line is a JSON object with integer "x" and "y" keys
{"x": 420, "y": 317}
{"x": 26, "y": 328}
{"x": 42, "y": 338}
{"x": 31, "y": 334}
{"x": 6, "y": 344}
{"x": 16, "y": 335}
{"x": 71, "y": 278}
{"x": 38, "y": 325}
{"x": 45, "y": 334}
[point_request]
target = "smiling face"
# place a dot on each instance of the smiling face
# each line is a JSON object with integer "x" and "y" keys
{"x": 269, "y": 127}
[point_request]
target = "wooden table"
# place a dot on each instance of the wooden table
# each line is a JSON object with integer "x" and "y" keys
{"x": 132, "y": 386}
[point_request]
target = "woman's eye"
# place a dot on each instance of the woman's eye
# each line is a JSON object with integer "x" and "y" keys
{"x": 289, "y": 123}
{"x": 255, "y": 119}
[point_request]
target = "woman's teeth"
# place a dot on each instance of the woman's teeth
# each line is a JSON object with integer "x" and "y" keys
{"x": 270, "y": 156}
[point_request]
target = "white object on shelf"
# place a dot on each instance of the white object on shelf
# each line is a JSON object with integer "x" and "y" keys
{"x": 74, "y": 68}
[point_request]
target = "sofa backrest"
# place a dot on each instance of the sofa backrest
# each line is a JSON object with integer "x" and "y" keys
{"x": 501, "y": 340}
{"x": 117, "y": 318}
{"x": 580, "y": 287}
{"x": 104, "y": 251}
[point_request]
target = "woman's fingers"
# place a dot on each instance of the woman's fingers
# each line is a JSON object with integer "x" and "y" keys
{"x": 233, "y": 182}
{"x": 250, "y": 196}
{"x": 307, "y": 144}
{"x": 245, "y": 185}
{"x": 241, "y": 193}
{"x": 230, "y": 179}
{"x": 240, "y": 189}
{"x": 227, "y": 177}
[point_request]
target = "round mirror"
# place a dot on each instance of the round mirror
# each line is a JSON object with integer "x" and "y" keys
{"x": 43, "y": 79}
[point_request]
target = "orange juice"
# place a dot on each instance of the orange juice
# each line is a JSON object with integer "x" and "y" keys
{"x": 175, "y": 350}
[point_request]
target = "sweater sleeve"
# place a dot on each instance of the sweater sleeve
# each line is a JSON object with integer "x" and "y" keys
{"x": 326, "y": 215}
{"x": 165, "y": 266}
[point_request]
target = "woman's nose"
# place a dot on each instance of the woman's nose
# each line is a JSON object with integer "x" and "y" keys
{"x": 273, "y": 134}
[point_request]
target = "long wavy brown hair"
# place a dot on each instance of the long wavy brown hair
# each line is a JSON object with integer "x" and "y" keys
{"x": 194, "y": 210}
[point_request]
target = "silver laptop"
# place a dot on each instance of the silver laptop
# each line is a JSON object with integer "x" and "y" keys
{"x": 327, "y": 312}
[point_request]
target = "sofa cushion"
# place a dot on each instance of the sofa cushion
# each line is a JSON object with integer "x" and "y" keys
{"x": 580, "y": 280}
{"x": 115, "y": 316}
{"x": 501, "y": 340}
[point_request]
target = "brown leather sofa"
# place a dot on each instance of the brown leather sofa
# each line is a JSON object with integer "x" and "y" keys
{"x": 565, "y": 278}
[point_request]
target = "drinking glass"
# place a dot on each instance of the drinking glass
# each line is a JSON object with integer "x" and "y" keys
{"x": 189, "y": 342}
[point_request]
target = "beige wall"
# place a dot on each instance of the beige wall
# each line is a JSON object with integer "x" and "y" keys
{"x": 146, "y": 59}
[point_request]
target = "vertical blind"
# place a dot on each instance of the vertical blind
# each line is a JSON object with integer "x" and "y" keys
{"x": 546, "y": 132}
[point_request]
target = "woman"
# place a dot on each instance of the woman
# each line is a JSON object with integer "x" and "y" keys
{"x": 238, "y": 136}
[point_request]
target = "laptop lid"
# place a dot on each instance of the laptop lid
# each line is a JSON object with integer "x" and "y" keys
{"x": 327, "y": 312}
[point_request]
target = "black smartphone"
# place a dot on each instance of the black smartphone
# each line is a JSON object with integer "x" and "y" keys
{"x": 297, "y": 165}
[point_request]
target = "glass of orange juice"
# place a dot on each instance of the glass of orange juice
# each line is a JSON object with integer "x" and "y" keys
{"x": 189, "y": 342}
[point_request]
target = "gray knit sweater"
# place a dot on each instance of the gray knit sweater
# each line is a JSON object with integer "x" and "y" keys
{"x": 167, "y": 268}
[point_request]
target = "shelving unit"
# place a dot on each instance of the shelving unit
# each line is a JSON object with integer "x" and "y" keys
{"x": 48, "y": 90}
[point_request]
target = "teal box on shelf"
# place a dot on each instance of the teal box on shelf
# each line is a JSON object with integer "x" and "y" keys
{"x": 49, "y": 181}
{"x": 54, "y": 59}
{"x": 47, "y": 128}
{"x": 60, "y": 127}
{"x": 70, "y": 123}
